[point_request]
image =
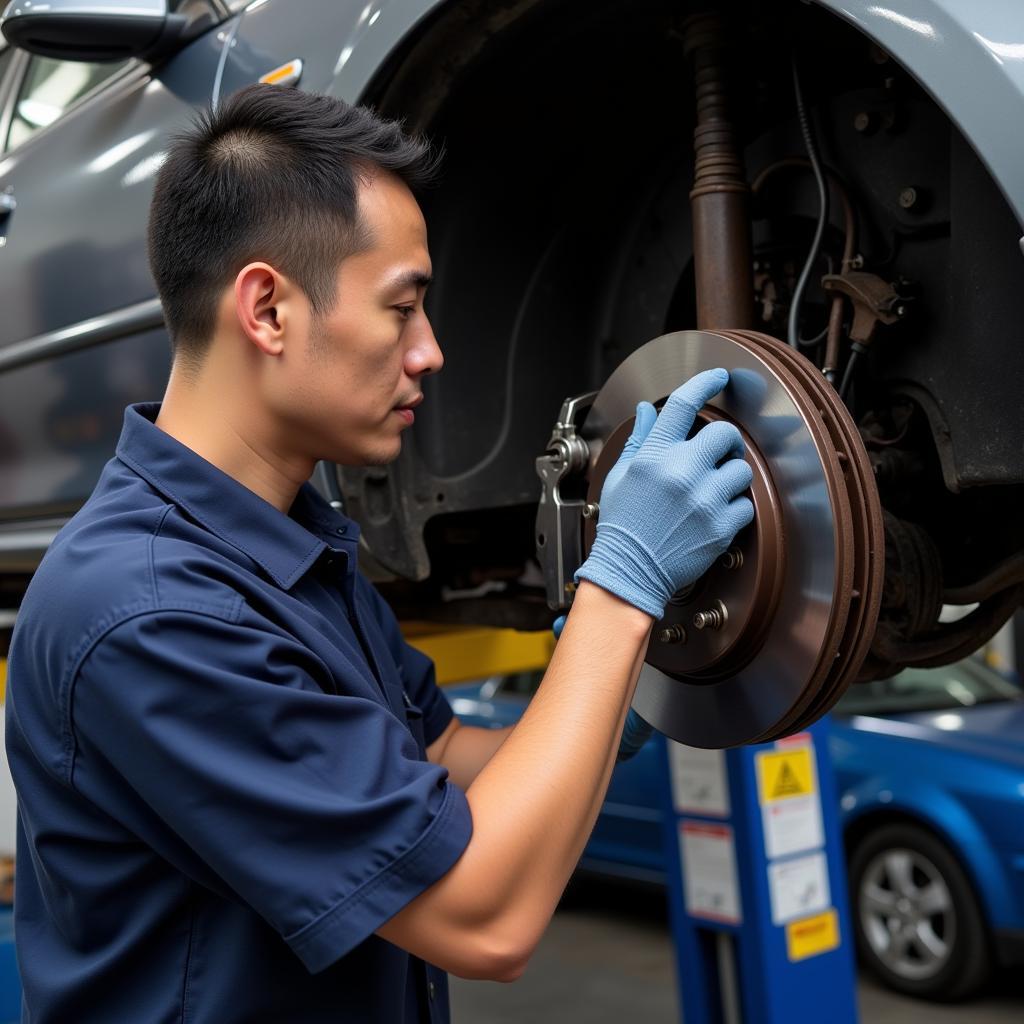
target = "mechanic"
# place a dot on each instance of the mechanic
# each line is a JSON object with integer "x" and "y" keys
{"x": 242, "y": 797}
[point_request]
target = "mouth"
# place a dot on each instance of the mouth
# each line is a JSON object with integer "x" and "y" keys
{"x": 405, "y": 410}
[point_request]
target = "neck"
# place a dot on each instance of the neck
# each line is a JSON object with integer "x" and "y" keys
{"x": 231, "y": 434}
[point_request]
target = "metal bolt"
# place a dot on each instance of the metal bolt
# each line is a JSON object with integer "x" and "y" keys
{"x": 864, "y": 122}
{"x": 908, "y": 198}
{"x": 711, "y": 618}
{"x": 674, "y": 634}
{"x": 732, "y": 559}
{"x": 591, "y": 510}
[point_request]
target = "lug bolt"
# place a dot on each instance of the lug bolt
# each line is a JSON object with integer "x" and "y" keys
{"x": 672, "y": 635}
{"x": 732, "y": 559}
{"x": 711, "y": 618}
{"x": 591, "y": 510}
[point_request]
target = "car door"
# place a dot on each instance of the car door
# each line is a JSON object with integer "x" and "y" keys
{"x": 81, "y": 333}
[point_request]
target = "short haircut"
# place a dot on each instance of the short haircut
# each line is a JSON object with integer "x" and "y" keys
{"x": 272, "y": 174}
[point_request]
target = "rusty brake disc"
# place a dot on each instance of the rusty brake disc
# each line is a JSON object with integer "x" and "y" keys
{"x": 770, "y": 637}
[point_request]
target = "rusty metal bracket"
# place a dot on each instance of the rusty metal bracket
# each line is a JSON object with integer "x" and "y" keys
{"x": 874, "y": 301}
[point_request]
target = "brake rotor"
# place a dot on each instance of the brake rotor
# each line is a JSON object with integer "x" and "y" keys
{"x": 770, "y": 637}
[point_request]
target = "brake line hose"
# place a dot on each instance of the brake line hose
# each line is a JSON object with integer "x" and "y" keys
{"x": 793, "y": 325}
{"x": 834, "y": 326}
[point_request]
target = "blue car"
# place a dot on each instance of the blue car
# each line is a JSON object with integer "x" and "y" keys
{"x": 930, "y": 768}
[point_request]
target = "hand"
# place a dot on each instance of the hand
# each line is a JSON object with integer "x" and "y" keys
{"x": 671, "y": 509}
{"x": 636, "y": 732}
{"x": 646, "y": 417}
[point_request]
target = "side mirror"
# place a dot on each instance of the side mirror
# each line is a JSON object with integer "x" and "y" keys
{"x": 108, "y": 30}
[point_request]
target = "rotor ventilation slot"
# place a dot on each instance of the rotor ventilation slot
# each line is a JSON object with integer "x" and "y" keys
{"x": 800, "y": 590}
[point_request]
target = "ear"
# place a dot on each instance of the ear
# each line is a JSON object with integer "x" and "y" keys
{"x": 261, "y": 295}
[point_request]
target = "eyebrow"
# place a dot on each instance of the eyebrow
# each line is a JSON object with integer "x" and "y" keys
{"x": 409, "y": 278}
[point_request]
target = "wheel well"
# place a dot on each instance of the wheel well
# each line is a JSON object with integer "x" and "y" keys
{"x": 561, "y": 239}
{"x": 873, "y": 820}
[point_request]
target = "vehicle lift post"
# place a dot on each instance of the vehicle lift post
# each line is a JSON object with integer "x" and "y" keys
{"x": 757, "y": 883}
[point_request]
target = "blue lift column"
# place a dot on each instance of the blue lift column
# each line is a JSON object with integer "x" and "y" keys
{"x": 757, "y": 883}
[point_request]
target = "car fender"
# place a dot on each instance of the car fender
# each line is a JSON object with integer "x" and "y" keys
{"x": 970, "y": 57}
{"x": 935, "y": 808}
{"x": 343, "y": 44}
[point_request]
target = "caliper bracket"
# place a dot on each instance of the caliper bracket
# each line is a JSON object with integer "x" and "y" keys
{"x": 559, "y": 533}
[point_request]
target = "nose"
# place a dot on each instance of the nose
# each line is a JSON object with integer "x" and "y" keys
{"x": 423, "y": 355}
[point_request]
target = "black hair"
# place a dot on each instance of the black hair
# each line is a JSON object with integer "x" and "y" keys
{"x": 272, "y": 174}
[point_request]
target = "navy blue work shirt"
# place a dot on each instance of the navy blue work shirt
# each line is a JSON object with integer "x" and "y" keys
{"x": 218, "y": 739}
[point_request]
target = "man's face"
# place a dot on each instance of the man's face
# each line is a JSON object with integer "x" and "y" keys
{"x": 359, "y": 376}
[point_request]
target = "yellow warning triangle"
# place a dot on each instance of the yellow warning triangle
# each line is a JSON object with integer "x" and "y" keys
{"x": 787, "y": 784}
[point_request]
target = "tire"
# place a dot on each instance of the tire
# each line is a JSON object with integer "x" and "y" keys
{"x": 918, "y": 924}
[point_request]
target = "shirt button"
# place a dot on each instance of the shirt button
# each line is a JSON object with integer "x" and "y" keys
{"x": 431, "y": 989}
{"x": 341, "y": 531}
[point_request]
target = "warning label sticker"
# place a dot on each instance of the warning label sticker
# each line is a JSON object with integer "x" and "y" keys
{"x": 700, "y": 783}
{"x": 785, "y": 774}
{"x": 813, "y": 935}
{"x": 791, "y": 826}
{"x": 710, "y": 879}
{"x": 798, "y": 887}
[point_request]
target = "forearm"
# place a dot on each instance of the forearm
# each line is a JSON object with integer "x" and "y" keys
{"x": 535, "y": 801}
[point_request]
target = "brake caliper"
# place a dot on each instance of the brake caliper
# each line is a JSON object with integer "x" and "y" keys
{"x": 563, "y": 502}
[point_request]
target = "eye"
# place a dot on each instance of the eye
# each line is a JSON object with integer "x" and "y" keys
{"x": 406, "y": 311}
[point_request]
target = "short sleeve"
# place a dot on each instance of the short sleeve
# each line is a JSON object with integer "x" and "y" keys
{"x": 416, "y": 668}
{"x": 313, "y": 807}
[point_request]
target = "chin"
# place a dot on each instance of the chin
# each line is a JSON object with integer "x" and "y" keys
{"x": 372, "y": 450}
{"x": 382, "y": 456}
{"x": 379, "y": 460}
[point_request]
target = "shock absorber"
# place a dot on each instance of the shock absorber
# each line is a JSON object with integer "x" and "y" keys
{"x": 720, "y": 194}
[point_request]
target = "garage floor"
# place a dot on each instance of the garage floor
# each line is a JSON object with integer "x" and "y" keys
{"x": 607, "y": 958}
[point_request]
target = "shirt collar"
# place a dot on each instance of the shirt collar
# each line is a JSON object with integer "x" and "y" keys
{"x": 284, "y": 545}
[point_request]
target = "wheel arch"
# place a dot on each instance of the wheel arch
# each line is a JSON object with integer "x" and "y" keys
{"x": 951, "y": 826}
{"x": 961, "y": 59}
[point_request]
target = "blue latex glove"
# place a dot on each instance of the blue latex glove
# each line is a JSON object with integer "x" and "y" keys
{"x": 636, "y": 732}
{"x": 667, "y": 509}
